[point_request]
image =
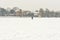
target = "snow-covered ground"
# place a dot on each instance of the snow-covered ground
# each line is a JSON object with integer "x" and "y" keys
{"x": 15, "y": 28}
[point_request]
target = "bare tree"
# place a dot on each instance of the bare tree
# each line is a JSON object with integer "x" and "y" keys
{"x": 41, "y": 12}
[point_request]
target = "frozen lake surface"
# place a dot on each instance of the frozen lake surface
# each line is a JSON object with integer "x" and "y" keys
{"x": 15, "y": 28}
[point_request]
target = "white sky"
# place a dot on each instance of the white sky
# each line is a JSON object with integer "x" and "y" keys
{"x": 31, "y": 4}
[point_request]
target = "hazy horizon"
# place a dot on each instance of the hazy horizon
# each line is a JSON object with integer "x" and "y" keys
{"x": 31, "y": 4}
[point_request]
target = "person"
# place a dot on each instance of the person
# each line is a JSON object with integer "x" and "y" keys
{"x": 32, "y": 17}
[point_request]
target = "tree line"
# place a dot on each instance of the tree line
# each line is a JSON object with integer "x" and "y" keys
{"x": 40, "y": 13}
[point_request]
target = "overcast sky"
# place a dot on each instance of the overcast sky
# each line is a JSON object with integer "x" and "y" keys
{"x": 31, "y": 4}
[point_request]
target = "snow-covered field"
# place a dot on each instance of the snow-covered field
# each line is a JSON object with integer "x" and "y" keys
{"x": 15, "y": 28}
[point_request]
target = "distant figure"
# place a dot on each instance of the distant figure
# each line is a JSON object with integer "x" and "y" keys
{"x": 32, "y": 17}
